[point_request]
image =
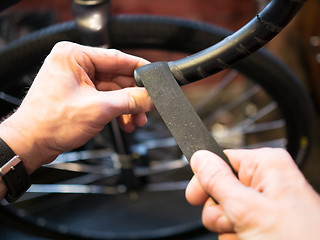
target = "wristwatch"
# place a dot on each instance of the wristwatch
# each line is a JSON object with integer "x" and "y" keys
{"x": 13, "y": 173}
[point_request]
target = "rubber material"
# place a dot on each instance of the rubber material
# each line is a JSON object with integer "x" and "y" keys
{"x": 259, "y": 31}
{"x": 178, "y": 114}
{"x": 29, "y": 51}
{"x": 4, "y": 4}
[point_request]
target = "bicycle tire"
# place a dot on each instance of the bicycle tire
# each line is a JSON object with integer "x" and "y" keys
{"x": 135, "y": 32}
{"x": 165, "y": 33}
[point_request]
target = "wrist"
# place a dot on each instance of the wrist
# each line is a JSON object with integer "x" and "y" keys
{"x": 15, "y": 179}
{"x": 24, "y": 142}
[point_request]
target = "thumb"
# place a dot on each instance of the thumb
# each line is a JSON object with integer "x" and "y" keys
{"x": 217, "y": 178}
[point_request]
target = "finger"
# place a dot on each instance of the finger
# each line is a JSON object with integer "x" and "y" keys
{"x": 195, "y": 194}
{"x": 128, "y": 122}
{"x": 105, "y": 82}
{"x": 115, "y": 82}
{"x": 125, "y": 123}
{"x": 125, "y": 101}
{"x": 240, "y": 156}
{"x": 115, "y": 61}
{"x": 139, "y": 119}
{"x": 275, "y": 157}
{"x": 228, "y": 236}
{"x": 255, "y": 165}
{"x": 217, "y": 178}
{"x": 214, "y": 218}
{"x": 106, "y": 86}
{"x": 243, "y": 161}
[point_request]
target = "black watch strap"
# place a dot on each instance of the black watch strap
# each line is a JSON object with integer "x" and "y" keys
{"x": 6, "y": 153}
{"x": 13, "y": 173}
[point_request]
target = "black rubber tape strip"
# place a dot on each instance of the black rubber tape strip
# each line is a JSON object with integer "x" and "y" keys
{"x": 177, "y": 112}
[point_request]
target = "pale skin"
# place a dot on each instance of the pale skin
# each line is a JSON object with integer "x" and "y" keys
{"x": 270, "y": 199}
{"x": 77, "y": 91}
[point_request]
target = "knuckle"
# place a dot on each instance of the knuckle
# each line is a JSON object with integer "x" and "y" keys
{"x": 64, "y": 49}
{"x": 63, "y": 45}
{"x": 277, "y": 157}
{"x": 132, "y": 103}
{"x": 212, "y": 177}
{"x": 63, "y": 53}
{"x": 282, "y": 153}
{"x": 115, "y": 51}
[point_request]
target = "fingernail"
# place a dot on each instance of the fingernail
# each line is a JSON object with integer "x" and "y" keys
{"x": 224, "y": 224}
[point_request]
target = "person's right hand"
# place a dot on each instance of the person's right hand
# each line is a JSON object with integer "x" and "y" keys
{"x": 77, "y": 91}
{"x": 270, "y": 200}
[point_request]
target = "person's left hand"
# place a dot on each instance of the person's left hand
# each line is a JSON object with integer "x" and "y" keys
{"x": 76, "y": 93}
{"x": 269, "y": 199}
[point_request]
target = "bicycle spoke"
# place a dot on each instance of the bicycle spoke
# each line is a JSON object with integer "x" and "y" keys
{"x": 10, "y": 99}
{"x": 84, "y": 155}
{"x": 262, "y": 127}
{"x": 238, "y": 141}
{"x": 82, "y": 185}
{"x": 255, "y": 128}
{"x": 248, "y": 122}
{"x": 83, "y": 180}
{"x": 235, "y": 136}
{"x": 260, "y": 114}
{"x": 153, "y": 168}
{"x": 84, "y": 168}
{"x": 235, "y": 102}
{"x": 167, "y": 186}
{"x": 161, "y": 166}
{"x": 153, "y": 144}
{"x": 217, "y": 89}
{"x": 104, "y": 190}
{"x": 277, "y": 143}
{"x": 118, "y": 138}
{"x": 76, "y": 188}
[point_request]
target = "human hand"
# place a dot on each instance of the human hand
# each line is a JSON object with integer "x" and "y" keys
{"x": 77, "y": 91}
{"x": 270, "y": 200}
